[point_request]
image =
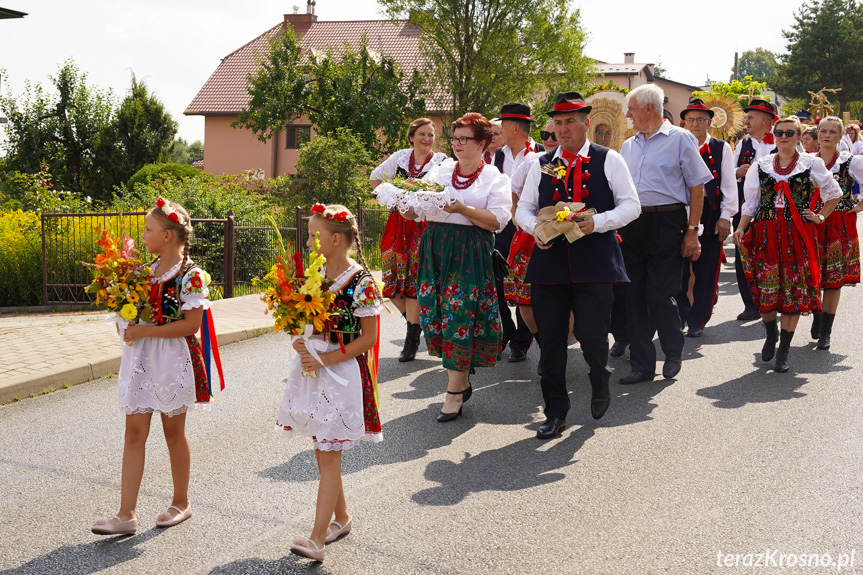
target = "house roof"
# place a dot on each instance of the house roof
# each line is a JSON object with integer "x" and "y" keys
{"x": 676, "y": 83}
{"x": 225, "y": 93}
{"x": 628, "y": 69}
{"x": 7, "y": 13}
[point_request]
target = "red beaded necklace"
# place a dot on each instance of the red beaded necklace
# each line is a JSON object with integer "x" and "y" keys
{"x": 417, "y": 171}
{"x": 787, "y": 169}
{"x": 463, "y": 182}
{"x": 833, "y": 161}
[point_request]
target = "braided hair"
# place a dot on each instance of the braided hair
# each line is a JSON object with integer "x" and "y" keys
{"x": 351, "y": 232}
{"x": 182, "y": 231}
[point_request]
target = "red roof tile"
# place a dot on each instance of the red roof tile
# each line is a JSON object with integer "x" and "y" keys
{"x": 225, "y": 92}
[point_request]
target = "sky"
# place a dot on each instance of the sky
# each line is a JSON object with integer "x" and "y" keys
{"x": 176, "y": 45}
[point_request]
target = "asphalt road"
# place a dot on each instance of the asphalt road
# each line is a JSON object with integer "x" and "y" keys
{"x": 729, "y": 458}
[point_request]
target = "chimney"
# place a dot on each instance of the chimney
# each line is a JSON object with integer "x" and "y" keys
{"x": 310, "y": 6}
{"x": 302, "y": 22}
{"x": 629, "y": 57}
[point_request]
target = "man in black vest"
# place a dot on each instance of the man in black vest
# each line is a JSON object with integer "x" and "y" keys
{"x": 576, "y": 277}
{"x": 515, "y": 120}
{"x": 720, "y": 204}
{"x": 757, "y": 143}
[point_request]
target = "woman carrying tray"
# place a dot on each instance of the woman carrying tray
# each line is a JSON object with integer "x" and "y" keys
{"x": 400, "y": 240}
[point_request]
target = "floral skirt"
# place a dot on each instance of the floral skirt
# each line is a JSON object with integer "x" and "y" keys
{"x": 775, "y": 262}
{"x": 515, "y": 290}
{"x": 839, "y": 249}
{"x": 399, "y": 255}
{"x": 457, "y": 296}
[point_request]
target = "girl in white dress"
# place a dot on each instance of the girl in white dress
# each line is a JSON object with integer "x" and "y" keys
{"x": 162, "y": 369}
{"x": 338, "y": 408}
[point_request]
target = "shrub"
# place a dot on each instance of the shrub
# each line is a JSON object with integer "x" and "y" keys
{"x": 332, "y": 169}
{"x": 152, "y": 172}
{"x": 20, "y": 258}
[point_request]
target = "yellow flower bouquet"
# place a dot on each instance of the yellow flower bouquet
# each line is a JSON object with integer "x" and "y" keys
{"x": 121, "y": 282}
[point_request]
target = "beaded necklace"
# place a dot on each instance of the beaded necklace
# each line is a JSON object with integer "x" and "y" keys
{"x": 787, "y": 169}
{"x": 833, "y": 161}
{"x": 463, "y": 182}
{"x": 416, "y": 172}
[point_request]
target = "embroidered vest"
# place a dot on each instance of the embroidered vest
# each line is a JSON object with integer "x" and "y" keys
{"x": 347, "y": 326}
{"x": 712, "y": 190}
{"x": 747, "y": 156}
{"x": 593, "y": 258}
{"x": 846, "y": 182}
{"x": 503, "y": 238}
{"x": 802, "y": 191}
{"x": 168, "y": 294}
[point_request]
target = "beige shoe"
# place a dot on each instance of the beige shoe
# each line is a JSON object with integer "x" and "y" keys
{"x": 105, "y": 527}
{"x": 307, "y": 548}
{"x": 176, "y": 519}
{"x": 341, "y": 530}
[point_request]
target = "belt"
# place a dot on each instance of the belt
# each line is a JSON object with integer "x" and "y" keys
{"x": 664, "y": 208}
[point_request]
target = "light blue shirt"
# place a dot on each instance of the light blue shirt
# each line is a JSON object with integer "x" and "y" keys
{"x": 665, "y": 166}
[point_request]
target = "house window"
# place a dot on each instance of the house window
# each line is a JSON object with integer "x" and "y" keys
{"x": 297, "y": 136}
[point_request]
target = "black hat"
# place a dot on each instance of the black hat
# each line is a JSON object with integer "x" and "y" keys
{"x": 515, "y": 112}
{"x": 763, "y": 106}
{"x": 696, "y": 104}
{"x": 567, "y": 102}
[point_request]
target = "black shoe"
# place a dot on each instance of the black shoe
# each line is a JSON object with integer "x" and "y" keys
{"x": 671, "y": 367}
{"x": 412, "y": 343}
{"x": 636, "y": 377}
{"x": 815, "y": 332}
{"x": 749, "y": 314}
{"x": 785, "y": 337}
{"x": 618, "y": 349}
{"x": 826, "y": 328}
{"x": 551, "y": 427}
{"x": 694, "y": 332}
{"x": 517, "y": 355}
{"x": 600, "y": 399}
{"x": 769, "y": 349}
{"x": 444, "y": 417}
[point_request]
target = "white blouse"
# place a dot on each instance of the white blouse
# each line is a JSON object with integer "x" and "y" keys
{"x": 820, "y": 177}
{"x": 490, "y": 191}
{"x": 855, "y": 170}
{"x": 401, "y": 159}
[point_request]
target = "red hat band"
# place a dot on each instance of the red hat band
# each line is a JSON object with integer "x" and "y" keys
{"x": 764, "y": 109}
{"x": 569, "y": 106}
{"x": 517, "y": 116}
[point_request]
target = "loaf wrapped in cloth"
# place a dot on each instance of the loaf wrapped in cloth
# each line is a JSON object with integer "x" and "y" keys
{"x": 561, "y": 219}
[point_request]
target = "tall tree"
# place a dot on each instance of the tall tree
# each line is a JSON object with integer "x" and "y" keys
{"x": 352, "y": 87}
{"x": 489, "y": 52}
{"x": 824, "y": 47}
{"x": 759, "y": 63}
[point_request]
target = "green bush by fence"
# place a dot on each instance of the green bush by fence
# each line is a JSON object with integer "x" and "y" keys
{"x": 20, "y": 258}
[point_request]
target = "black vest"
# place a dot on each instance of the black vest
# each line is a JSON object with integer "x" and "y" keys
{"x": 593, "y": 258}
{"x": 747, "y": 156}
{"x": 712, "y": 190}
{"x": 503, "y": 239}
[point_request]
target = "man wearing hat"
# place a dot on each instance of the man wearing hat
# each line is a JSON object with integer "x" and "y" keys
{"x": 576, "y": 278}
{"x": 757, "y": 143}
{"x": 515, "y": 119}
{"x": 720, "y": 204}
{"x": 669, "y": 175}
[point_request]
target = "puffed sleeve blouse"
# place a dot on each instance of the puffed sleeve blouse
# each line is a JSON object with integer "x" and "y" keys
{"x": 490, "y": 191}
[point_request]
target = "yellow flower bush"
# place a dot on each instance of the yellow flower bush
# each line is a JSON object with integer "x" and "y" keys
{"x": 20, "y": 258}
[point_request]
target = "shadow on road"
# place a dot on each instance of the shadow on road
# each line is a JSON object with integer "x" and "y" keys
{"x": 87, "y": 558}
{"x": 288, "y": 564}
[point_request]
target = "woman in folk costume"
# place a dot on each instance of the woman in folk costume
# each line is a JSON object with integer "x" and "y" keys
{"x": 401, "y": 237}
{"x": 779, "y": 250}
{"x": 456, "y": 283}
{"x": 837, "y": 238}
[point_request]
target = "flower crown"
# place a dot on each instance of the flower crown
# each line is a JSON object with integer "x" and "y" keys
{"x": 329, "y": 213}
{"x": 172, "y": 214}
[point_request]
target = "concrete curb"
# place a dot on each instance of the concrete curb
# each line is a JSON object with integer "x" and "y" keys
{"x": 78, "y": 374}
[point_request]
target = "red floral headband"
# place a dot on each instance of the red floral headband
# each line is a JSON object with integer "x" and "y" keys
{"x": 172, "y": 214}
{"x": 329, "y": 213}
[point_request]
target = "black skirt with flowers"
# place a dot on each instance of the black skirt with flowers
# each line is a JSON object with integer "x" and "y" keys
{"x": 457, "y": 297}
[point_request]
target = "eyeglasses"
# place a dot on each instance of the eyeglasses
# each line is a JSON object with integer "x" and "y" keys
{"x": 461, "y": 141}
{"x": 786, "y": 133}
{"x": 547, "y": 135}
{"x": 696, "y": 120}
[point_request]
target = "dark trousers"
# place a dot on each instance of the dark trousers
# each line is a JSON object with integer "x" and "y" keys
{"x": 618, "y": 313}
{"x": 742, "y": 284}
{"x": 514, "y": 332}
{"x": 651, "y": 251}
{"x": 590, "y": 303}
{"x": 706, "y": 272}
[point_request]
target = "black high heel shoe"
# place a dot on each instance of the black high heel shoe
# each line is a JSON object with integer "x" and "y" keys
{"x": 444, "y": 417}
{"x": 465, "y": 395}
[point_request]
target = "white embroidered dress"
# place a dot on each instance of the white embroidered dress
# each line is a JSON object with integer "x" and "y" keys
{"x": 321, "y": 407}
{"x": 156, "y": 373}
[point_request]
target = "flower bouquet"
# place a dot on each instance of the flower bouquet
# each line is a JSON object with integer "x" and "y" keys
{"x": 422, "y": 196}
{"x": 301, "y": 307}
{"x": 561, "y": 219}
{"x": 121, "y": 281}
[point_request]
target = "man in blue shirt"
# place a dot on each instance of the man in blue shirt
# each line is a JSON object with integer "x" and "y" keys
{"x": 669, "y": 175}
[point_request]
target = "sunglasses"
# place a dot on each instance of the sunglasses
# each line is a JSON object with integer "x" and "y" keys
{"x": 786, "y": 133}
{"x": 547, "y": 135}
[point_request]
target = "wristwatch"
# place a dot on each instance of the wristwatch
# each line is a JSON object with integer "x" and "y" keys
{"x": 821, "y": 217}
{"x": 693, "y": 228}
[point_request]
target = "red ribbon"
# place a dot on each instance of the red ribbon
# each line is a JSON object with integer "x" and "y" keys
{"x": 528, "y": 147}
{"x": 768, "y": 139}
{"x": 577, "y": 184}
{"x": 811, "y": 254}
{"x": 215, "y": 347}
{"x": 705, "y": 149}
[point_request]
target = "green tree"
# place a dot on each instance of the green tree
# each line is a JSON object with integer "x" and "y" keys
{"x": 186, "y": 153}
{"x": 759, "y": 63}
{"x": 824, "y": 46}
{"x": 736, "y": 89}
{"x": 332, "y": 169}
{"x": 486, "y": 53}
{"x": 351, "y": 88}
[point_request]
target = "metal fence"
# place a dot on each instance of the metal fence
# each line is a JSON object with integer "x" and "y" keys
{"x": 232, "y": 251}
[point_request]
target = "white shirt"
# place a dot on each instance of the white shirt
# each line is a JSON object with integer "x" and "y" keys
{"x": 728, "y": 185}
{"x": 627, "y": 207}
{"x": 510, "y": 163}
{"x": 857, "y": 148}
{"x": 400, "y": 159}
{"x": 845, "y": 143}
{"x": 823, "y": 179}
{"x": 518, "y": 179}
{"x": 490, "y": 191}
{"x": 761, "y": 149}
